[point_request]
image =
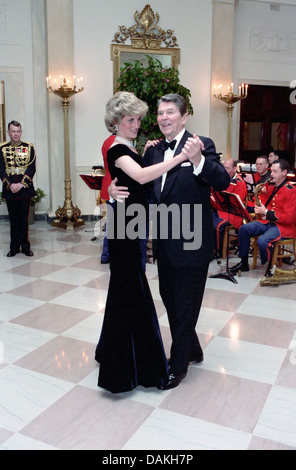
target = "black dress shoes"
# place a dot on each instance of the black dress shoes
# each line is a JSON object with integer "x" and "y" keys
{"x": 196, "y": 360}
{"x": 174, "y": 381}
{"x": 11, "y": 253}
{"x": 28, "y": 253}
{"x": 239, "y": 267}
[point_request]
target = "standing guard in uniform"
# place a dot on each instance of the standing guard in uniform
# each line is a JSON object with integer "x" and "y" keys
{"x": 17, "y": 169}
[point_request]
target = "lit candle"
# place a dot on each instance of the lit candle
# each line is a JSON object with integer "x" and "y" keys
{"x": 247, "y": 90}
{"x": 243, "y": 89}
{"x": 239, "y": 91}
{"x": 61, "y": 80}
{"x": 215, "y": 89}
{"x": 2, "y": 92}
{"x": 74, "y": 81}
{"x": 54, "y": 83}
{"x": 231, "y": 87}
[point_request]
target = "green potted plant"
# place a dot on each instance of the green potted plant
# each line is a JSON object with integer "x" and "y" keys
{"x": 149, "y": 83}
{"x": 40, "y": 194}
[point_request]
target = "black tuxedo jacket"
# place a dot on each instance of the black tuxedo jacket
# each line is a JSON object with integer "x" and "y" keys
{"x": 188, "y": 197}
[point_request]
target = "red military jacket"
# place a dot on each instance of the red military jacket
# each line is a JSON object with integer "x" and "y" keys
{"x": 239, "y": 187}
{"x": 281, "y": 205}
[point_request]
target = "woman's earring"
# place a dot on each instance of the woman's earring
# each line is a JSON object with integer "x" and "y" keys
{"x": 116, "y": 128}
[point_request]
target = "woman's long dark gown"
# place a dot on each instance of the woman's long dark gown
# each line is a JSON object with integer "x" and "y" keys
{"x": 130, "y": 350}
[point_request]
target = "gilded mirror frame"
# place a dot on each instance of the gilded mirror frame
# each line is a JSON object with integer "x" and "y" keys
{"x": 146, "y": 38}
{"x": 117, "y": 52}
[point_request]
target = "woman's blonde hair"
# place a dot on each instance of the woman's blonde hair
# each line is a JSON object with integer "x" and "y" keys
{"x": 123, "y": 103}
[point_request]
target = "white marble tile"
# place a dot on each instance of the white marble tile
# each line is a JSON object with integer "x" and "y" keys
{"x": 25, "y": 394}
{"x": 75, "y": 276}
{"x": 87, "y": 330}
{"x": 10, "y": 281}
{"x": 243, "y": 359}
{"x": 91, "y": 380}
{"x": 278, "y": 419}
{"x": 20, "y": 340}
{"x": 170, "y": 431}
{"x": 244, "y": 285}
{"x": 11, "y": 306}
{"x": 10, "y": 263}
{"x": 211, "y": 321}
{"x": 154, "y": 287}
{"x": 276, "y": 308}
{"x": 293, "y": 342}
{"x": 62, "y": 258}
{"x": 92, "y": 300}
{"x": 19, "y": 442}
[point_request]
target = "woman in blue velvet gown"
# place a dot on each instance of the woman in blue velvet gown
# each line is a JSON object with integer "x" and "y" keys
{"x": 130, "y": 350}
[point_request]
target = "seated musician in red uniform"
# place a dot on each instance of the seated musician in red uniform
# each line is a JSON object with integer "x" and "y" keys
{"x": 220, "y": 218}
{"x": 276, "y": 218}
{"x": 262, "y": 175}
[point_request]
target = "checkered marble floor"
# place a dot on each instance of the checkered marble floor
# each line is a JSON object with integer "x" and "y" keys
{"x": 243, "y": 396}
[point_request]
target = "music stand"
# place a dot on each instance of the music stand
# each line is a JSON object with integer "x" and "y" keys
{"x": 232, "y": 204}
{"x": 94, "y": 181}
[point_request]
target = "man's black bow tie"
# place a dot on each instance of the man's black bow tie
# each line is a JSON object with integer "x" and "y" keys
{"x": 170, "y": 145}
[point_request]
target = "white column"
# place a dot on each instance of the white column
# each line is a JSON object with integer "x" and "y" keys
{"x": 60, "y": 61}
{"x": 222, "y": 53}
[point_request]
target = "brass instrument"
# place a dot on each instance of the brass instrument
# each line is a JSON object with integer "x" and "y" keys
{"x": 257, "y": 192}
{"x": 278, "y": 276}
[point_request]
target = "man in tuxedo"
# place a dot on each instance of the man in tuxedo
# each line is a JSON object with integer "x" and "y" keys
{"x": 182, "y": 266}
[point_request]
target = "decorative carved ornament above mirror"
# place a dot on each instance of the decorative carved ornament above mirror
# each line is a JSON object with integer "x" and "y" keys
{"x": 146, "y": 39}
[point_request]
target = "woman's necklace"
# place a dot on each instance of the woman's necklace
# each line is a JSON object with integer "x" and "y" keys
{"x": 127, "y": 142}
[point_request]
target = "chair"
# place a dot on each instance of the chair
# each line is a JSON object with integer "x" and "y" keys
{"x": 230, "y": 234}
{"x": 280, "y": 251}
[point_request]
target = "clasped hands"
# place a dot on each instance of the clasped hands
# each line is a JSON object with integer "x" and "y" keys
{"x": 16, "y": 187}
{"x": 192, "y": 151}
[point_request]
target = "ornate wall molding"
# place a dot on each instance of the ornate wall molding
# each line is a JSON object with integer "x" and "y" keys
{"x": 273, "y": 41}
{"x": 146, "y": 33}
{"x": 2, "y": 18}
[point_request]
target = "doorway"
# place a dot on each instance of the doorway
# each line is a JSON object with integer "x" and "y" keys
{"x": 267, "y": 122}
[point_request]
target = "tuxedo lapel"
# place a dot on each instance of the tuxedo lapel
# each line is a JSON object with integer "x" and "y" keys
{"x": 158, "y": 158}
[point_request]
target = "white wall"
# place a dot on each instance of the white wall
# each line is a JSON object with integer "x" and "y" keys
{"x": 264, "y": 46}
{"x": 23, "y": 99}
